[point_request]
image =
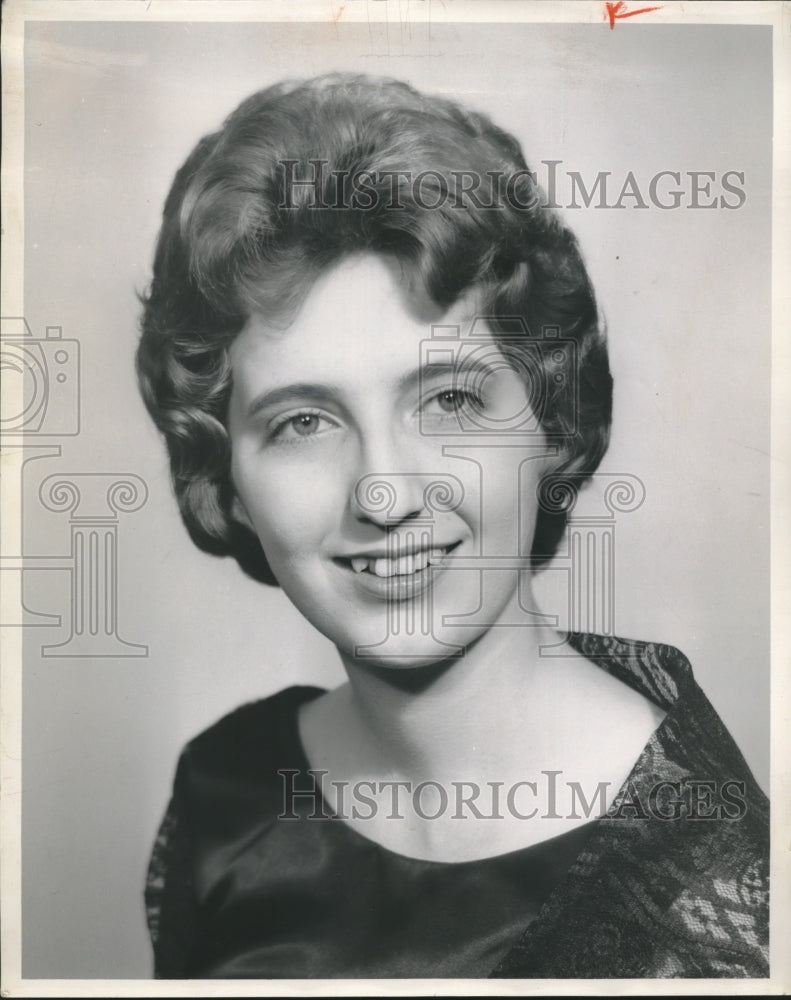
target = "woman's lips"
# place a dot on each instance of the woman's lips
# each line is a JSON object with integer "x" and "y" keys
{"x": 406, "y": 565}
{"x": 398, "y": 579}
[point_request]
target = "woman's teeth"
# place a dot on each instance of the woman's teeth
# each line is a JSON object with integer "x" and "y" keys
{"x": 403, "y": 566}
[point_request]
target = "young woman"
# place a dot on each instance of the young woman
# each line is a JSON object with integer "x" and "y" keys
{"x": 374, "y": 354}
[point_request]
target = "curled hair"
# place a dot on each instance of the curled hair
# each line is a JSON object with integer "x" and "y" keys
{"x": 301, "y": 175}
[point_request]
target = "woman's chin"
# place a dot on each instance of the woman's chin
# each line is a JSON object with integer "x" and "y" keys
{"x": 405, "y": 653}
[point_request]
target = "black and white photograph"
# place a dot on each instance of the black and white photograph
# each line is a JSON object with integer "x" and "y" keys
{"x": 395, "y": 487}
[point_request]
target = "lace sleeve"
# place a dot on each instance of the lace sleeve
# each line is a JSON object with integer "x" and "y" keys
{"x": 169, "y": 897}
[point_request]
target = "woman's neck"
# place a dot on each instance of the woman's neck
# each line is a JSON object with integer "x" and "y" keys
{"x": 465, "y": 712}
{"x": 502, "y": 715}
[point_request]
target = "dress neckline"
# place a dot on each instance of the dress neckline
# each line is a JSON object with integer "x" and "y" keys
{"x": 355, "y": 838}
{"x": 640, "y": 672}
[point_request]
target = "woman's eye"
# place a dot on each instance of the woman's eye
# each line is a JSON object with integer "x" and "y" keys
{"x": 454, "y": 400}
{"x": 301, "y": 425}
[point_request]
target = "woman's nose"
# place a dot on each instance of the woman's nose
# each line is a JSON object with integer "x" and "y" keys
{"x": 389, "y": 498}
{"x": 389, "y": 486}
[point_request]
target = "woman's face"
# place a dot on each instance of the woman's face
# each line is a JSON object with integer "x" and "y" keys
{"x": 389, "y": 475}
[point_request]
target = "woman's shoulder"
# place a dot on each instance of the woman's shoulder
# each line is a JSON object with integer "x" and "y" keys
{"x": 225, "y": 779}
{"x": 693, "y": 738}
{"x": 677, "y": 870}
{"x": 257, "y": 730}
{"x": 658, "y": 670}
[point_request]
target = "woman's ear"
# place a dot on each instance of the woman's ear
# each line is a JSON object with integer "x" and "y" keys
{"x": 565, "y": 462}
{"x": 557, "y": 462}
{"x": 245, "y": 544}
{"x": 239, "y": 513}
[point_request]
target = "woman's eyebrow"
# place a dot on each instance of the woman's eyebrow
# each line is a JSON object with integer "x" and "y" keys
{"x": 318, "y": 391}
{"x": 450, "y": 369}
{"x": 324, "y": 392}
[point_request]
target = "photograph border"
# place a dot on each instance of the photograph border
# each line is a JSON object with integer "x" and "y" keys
{"x": 16, "y": 13}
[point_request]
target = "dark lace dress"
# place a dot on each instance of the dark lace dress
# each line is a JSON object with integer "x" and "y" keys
{"x": 671, "y": 882}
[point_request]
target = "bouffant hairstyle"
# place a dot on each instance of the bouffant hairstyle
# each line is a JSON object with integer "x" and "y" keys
{"x": 306, "y": 172}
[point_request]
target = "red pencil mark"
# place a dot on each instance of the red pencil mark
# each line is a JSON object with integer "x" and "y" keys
{"x": 616, "y": 11}
{"x": 337, "y": 17}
